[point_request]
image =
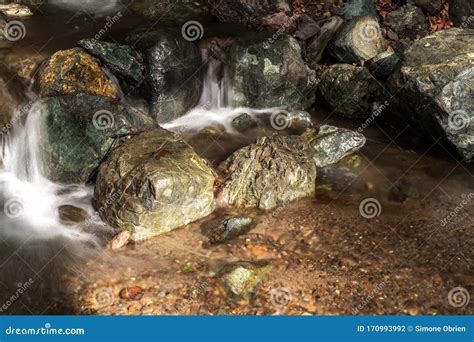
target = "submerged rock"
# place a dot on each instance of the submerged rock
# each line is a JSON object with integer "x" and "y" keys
{"x": 243, "y": 122}
{"x": 81, "y": 129}
{"x": 358, "y": 39}
{"x": 171, "y": 11}
{"x": 120, "y": 59}
{"x": 317, "y": 46}
{"x": 434, "y": 88}
{"x": 241, "y": 278}
{"x": 272, "y": 171}
{"x": 271, "y": 73}
{"x": 173, "y": 82}
{"x": 333, "y": 144}
{"x": 349, "y": 90}
{"x": 69, "y": 214}
{"x": 159, "y": 184}
{"x": 226, "y": 228}
{"x": 74, "y": 71}
{"x": 407, "y": 21}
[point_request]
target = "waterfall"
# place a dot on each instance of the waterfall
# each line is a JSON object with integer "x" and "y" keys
{"x": 30, "y": 201}
{"x": 215, "y": 105}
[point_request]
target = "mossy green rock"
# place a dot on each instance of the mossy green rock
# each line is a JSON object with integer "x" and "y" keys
{"x": 269, "y": 72}
{"x": 241, "y": 278}
{"x": 272, "y": 171}
{"x": 157, "y": 182}
{"x": 81, "y": 129}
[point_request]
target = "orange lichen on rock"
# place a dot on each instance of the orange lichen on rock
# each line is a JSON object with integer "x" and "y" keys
{"x": 71, "y": 71}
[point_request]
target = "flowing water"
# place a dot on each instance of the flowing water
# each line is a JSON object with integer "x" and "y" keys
{"x": 319, "y": 243}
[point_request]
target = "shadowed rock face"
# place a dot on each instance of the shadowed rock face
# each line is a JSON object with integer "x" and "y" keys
{"x": 272, "y": 171}
{"x": 73, "y": 71}
{"x": 271, "y": 73}
{"x": 434, "y": 88}
{"x": 171, "y": 11}
{"x": 154, "y": 183}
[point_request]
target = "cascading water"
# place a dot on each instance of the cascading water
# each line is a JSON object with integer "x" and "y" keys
{"x": 30, "y": 201}
{"x": 215, "y": 106}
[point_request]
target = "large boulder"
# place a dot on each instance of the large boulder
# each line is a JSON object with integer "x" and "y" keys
{"x": 270, "y": 172}
{"x": 173, "y": 82}
{"x": 154, "y": 183}
{"x": 120, "y": 59}
{"x": 434, "y": 88}
{"x": 349, "y": 90}
{"x": 74, "y": 71}
{"x": 269, "y": 72}
{"x": 171, "y": 11}
{"x": 81, "y": 129}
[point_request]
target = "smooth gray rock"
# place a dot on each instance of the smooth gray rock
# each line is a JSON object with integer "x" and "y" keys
{"x": 226, "y": 228}
{"x": 307, "y": 28}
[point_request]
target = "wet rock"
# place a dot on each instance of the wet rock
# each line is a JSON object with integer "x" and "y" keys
{"x": 81, "y": 129}
{"x": 69, "y": 214}
{"x": 359, "y": 8}
{"x": 358, "y": 39}
{"x": 246, "y": 12}
{"x": 119, "y": 241}
{"x": 307, "y": 27}
{"x": 434, "y": 89}
{"x": 270, "y": 73}
{"x": 333, "y": 144}
{"x": 430, "y": 6}
{"x": 172, "y": 11}
{"x": 317, "y": 46}
{"x": 300, "y": 120}
{"x": 243, "y": 122}
{"x": 120, "y": 59}
{"x": 241, "y": 278}
{"x": 407, "y": 21}
{"x": 272, "y": 171}
{"x": 226, "y": 228}
{"x": 349, "y": 90}
{"x": 73, "y": 71}
{"x": 461, "y": 13}
{"x": 160, "y": 182}
{"x": 383, "y": 65}
{"x": 131, "y": 293}
{"x": 173, "y": 82}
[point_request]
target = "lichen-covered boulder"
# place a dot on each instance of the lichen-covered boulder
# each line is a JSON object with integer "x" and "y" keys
{"x": 433, "y": 89}
{"x": 333, "y": 144}
{"x": 272, "y": 171}
{"x": 173, "y": 68}
{"x": 349, "y": 90}
{"x": 359, "y": 39}
{"x": 171, "y": 11}
{"x": 407, "y": 21}
{"x": 73, "y": 71}
{"x": 158, "y": 184}
{"x": 120, "y": 59}
{"x": 270, "y": 73}
{"x": 81, "y": 129}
